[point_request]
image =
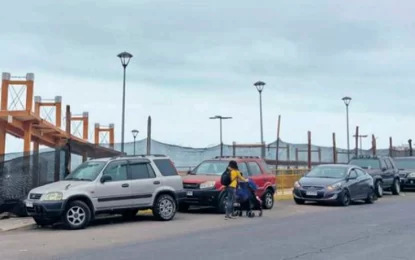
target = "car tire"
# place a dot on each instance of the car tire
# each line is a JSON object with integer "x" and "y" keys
{"x": 44, "y": 221}
{"x": 379, "y": 189}
{"x": 165, "y": 207}
{"x": 268, "y": 200}
{"x": 299, "y": 201}
{"x": 183, "y": 207}
{"x": 221, "y": 208}
{"x": 345, "y": 199}
{"x": 129, "y": 214}
{"x": 370, "y": 197}
{"x": 77, "y": 215}
{"x": 396, "y": 187}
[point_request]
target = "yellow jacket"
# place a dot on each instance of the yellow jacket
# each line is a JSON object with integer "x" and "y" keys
{"x": 235, "y": 177}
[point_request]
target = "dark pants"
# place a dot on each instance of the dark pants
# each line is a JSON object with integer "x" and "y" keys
{"x": 230, "y": 194}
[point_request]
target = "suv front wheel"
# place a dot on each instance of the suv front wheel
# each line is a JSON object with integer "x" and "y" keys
{"x": 77, "y": 215}
{"x": 268, "y": 199}
{"x": 165, "y": 207}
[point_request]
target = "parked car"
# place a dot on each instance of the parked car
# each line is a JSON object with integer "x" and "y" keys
{"x": 340, "y": 183}
{"x": 406, "y": 166}
{"x": 203, "y": 186}
{"x": 119, "y": 185}
{"x": 383, "y": 170}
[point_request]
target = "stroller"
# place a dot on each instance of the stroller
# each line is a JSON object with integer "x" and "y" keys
{"x": 246, "y": 200}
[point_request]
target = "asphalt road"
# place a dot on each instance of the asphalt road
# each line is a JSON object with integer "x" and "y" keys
{"x": 381, "y": 231}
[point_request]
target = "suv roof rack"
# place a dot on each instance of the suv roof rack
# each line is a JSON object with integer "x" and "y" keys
{"x": 138, "y": 155}
{"x": 239, "y": 157}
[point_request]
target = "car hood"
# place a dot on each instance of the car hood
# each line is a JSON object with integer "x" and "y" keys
{"x": 310, "y": 181}
{"x": 197, "y": 179}
{"x": 59, "y": 186}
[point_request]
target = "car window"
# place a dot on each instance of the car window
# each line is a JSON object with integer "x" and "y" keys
{"x": 383, "y": 164}
{"x": 367, "y": 163}
{"x": 360, "y": 172}
{"x": 392, "y": 163}
{"x": 141, "y": 170}
{"x": 353, "y": 174}
{"x": 166, "y": 167}
{"x": 117, "y": 170}
{"x": 243, "y": 169}
{"x": 254, "y": 169}
{"x": 214, "y": 167}
{"x": 86, "y": 171}
{"x": 388, "y": 163}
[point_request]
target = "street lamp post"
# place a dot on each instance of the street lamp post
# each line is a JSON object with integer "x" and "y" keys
{"x": 135, "y": 133}
{"x": 220, "y": 129}
{"x": 260, "y": 87}
{"x": 125, "y": 59}
{"x": 347, "y": 101}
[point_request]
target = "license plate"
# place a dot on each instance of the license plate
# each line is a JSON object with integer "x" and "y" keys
{"x": 29, "y": 204}
{"x": 311, "y": 193}
{"x": 189, "y": 193}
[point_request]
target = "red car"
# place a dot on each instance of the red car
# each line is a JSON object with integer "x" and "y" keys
{"x": 203, "y": 187}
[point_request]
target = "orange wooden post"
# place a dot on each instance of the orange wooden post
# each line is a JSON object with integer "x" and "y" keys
{"x": 30, "y": 77}
{"x": 96, "y": 133}
{"x": 111, "y": 135}
{"x": 85, "y": 125}
{"x": 58, "y": 112}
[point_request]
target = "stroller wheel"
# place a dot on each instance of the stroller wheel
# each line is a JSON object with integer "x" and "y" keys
{"x": 251, "y": 214}
{"x": 240, "y": 213}
{"x": 236, "y": 213}
{"x": 260, "y": 214}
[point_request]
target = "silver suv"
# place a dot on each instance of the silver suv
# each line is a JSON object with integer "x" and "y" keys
{"x": 119, "y": 185}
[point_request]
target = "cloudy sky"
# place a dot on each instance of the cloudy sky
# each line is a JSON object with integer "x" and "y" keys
{"x": 195, "y": 59}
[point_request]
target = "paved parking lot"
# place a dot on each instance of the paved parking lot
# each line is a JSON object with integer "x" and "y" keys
{"x": 286, "y": 232}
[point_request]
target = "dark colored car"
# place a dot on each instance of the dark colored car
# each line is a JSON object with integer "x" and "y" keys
{"x": 203, "y": 187}
{"x": 383, "y": 170}
{"x": 406, "y": 166}
{"x": 339, "y": 183}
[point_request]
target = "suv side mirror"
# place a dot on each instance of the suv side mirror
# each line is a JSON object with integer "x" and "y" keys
{"x": 383, "y": 169}
{"x": 105, "y": 178}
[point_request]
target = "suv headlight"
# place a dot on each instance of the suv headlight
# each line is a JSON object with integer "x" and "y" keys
{"x": 52, "y": 196}
{"x": 297, "y": 184}
{"x": 208, "y": 184}
{"x": 411, "y": 175}
{"x": 335, "y": 186}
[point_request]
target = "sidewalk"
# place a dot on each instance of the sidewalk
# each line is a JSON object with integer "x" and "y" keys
{"x": 284, "y": 194}
{"x": 15, "y": 223}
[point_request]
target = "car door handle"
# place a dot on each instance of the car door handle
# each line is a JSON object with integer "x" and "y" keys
{"x": 156, "y": 182}
{"x": 125, "y": 185}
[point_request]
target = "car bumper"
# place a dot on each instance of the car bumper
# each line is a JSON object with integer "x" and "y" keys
{"x": 45, "y": 209}
{"x": 322, "y": 195}
{"x": 201, "y": 197}
{"x": 408, "y": 182}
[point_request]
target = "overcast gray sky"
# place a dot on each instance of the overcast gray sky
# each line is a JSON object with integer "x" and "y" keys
{"x": 195, "y": 59}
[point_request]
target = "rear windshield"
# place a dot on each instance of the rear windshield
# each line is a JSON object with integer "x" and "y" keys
{"x": 366, "y": 163}
{"x": 405, "y": 163}
{"x": 166, "y": 167}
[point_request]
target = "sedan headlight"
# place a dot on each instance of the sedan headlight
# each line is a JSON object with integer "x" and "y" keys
{"x": 297, "y": 184}
{"x": 52, "y": 196}
{"x": 411, "y": 175}
{"x": 335, "y": 186}
{"x": 207, "y": 185}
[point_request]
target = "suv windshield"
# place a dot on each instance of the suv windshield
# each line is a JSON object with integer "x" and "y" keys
{"x": 327, "y": 172}
{"x": 366, "y": 163}
{"x": 405, "y": 163}
{"x": 211, "y": 168}
{"x": 87, "y": 171}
